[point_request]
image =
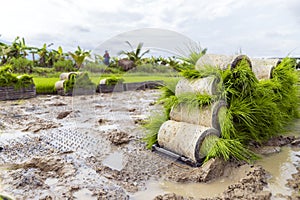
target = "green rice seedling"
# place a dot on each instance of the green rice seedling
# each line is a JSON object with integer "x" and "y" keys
{"x": 168, "y": 98}
{"x": 113, "y": 80}
{"x": 285, "y": 75}
{"x": 69, "y": 84}
{"x": 7, "y": 78}
{"x": 225, "y": 119}
{"x": 168, "y": 104}
{"x": 169, "y": 89}
{"x": 152, "y": 126}
{"x": 195, "y": 51}
{"x": 45, "y": 85}
{"x": 256, "y": 110}
{"x": 191, "y": 74}
{"x": 3, "y": 197}
{"x": 81, "y": 81}
{"x": 241, "y": 82}
{"x": 194, "y": 100}
{"x": 230, "y": 148}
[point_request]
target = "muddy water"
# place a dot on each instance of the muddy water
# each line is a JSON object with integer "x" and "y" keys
{"x": 114, "y": 161}
{"x": 196, "y": 190}
{"x": 280, "y": 166}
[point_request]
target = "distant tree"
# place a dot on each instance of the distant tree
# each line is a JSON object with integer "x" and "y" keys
{"x": 79, "y": 55}
{"x": 135, "y": 55}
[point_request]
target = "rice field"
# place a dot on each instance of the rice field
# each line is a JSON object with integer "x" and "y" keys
{"x": 45, "y": 85}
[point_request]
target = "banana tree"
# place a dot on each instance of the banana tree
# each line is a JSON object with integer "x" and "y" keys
{"x": 43, "y": 56}
{"x": 78, "y": 56}
{"x": 135, "y": 55}
{"x": 18, "y": 48}
{"x": 4, "y": 48}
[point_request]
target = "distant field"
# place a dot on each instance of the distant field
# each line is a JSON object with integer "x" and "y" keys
{"x": 46, "y": 85}
{"x": 130, "y": 79}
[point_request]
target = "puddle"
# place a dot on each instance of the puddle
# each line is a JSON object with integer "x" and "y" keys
{"x": 280, "y": 166}
{"x": 51, "y": 181}
{"x": 108, "y": 127}
{"x": 195, "y": 190}
{"x": 11, "y": 134}
{"x": 114, "y": 161}
{"x": 84, "y": 194}
{"x": 153, "y": 189}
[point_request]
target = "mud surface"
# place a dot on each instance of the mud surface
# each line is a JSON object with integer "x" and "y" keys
{"x": 89, "y": 147}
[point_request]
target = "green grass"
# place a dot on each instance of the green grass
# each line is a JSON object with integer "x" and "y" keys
{"x": 153, "y": 125}
{"x": 45, "y": 85}
{"x": 130, "y": 79}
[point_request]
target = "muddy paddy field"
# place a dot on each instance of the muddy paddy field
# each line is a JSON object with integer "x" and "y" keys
{"x": 90, "y": 147}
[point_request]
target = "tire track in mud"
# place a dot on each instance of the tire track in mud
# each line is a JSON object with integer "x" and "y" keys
{"x": 21, "y": 157}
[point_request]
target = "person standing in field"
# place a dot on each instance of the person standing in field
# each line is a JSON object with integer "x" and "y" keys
{"x": 106, "y": 58}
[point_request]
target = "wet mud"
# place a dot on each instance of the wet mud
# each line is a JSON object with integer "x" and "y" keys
{"x": 90, "y": 147}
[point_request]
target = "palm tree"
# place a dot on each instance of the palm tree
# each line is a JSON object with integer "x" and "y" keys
{"x": 135, "y": 55}
{"x": 79, "y": 55}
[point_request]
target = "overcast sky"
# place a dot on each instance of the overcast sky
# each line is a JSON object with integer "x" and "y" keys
{"x": 255, "y": 27}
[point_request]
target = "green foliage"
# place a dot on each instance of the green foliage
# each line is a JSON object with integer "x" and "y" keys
{"x": 80, "y": 80}
{"x": 168, "y": 98}
{"x": 191, "y": 74}
{"x": 3, "y": 197}
{"x": 194, "y": 100}
{"x": 45, "y": 85}
{"x": 256, "y": 110}
{"x": 153, "y": 125}
{"x": 79, "y": 55}
{"x": 64, "y": 66}
{"x": 95, "y": 67}
{"x": 228, "y": 148}
{"x": 7, "y": 78}
{"x": 113, "y": 80}
{"x": 169, "y": 89}
{"x": 135, "y": 55}
{"x": 21, "y": 65}
{"x": 152, "y": 68}
{"x": 240, "y": 82}
{"x": 46, "y": 72}
{"x": 195, "y": 52}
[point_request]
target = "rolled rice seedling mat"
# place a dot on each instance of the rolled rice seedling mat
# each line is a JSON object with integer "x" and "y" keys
{"x": 184, "y": 139}
{"x": 221, "y": 61}
{"x": 66, "y": 75}
{"x": 207, "y": 116}
{"x": 207, "y": 85}
{"x": 214, "y": 60}
{"x": 59, "y": 85}
{"x": 263, "y": 68}
{"x": 102, "y": 81}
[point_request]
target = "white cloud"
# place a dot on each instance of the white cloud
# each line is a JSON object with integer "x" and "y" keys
{"x": 223, "y": 26}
